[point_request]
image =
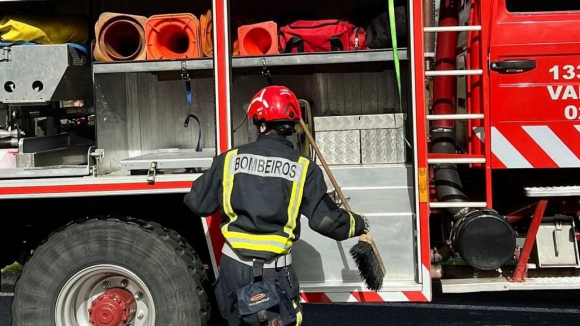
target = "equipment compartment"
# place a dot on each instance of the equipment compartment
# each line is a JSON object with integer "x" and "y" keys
{"x": 141, "y": 102}
{"x": 139, "y": 115}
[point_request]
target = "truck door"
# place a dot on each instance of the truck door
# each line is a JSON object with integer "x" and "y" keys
{"x": 534, "y": 73}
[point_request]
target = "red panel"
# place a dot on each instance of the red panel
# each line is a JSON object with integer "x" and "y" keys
{"x": 367, "y": 296}
{"x": 93, "y": 188}
{"x": 216, "y": 236}
{"x": 417, "y": 66}
{"x": 415, "y": 296}
{"x": 546, "y": 94}
{"x": 315, "y": 297}
{"x": 222, "y": 75}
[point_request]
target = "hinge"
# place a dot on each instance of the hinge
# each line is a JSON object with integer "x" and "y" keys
{"x": 98, "y": 154}
{"x": 152, "y": 173}
{"x": 5, "y": 54}
{"x": 184, "y": 73}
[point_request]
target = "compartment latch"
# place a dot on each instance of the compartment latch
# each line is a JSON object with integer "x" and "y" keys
{"x": 5, "y": 54}
{"x": 185, "y": 77}
{"x": 266, "y": 71}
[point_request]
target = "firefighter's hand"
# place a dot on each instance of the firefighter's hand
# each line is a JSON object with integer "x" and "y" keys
{"x": 367, "y": 224}
{"x": 363, "y": 225}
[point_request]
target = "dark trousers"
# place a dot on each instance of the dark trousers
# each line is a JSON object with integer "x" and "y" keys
{"x": 234, "y": 275}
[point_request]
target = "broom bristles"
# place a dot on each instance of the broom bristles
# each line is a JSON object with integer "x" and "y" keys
{"x": 368, "y": 265}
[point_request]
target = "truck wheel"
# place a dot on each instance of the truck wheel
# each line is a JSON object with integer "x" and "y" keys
{"x": 99, "y": 272}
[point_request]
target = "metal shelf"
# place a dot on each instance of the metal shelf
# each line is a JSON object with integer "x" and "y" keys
{"x": 322, "y": 58}
{"x": 318, "y": 58}
{"x": 152, "y": 66}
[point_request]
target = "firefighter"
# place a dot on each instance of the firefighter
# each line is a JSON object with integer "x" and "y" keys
{"x": 263, "y": 188}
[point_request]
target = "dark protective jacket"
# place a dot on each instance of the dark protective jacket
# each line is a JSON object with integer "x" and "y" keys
{"x": 262, "y": 188}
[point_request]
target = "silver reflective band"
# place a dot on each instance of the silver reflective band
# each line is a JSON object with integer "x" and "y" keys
{"x": 272, "y": 263}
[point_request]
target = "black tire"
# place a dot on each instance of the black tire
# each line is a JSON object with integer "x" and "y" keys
{"x": 163, "y": 261}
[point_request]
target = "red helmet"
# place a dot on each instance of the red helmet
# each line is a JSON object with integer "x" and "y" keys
{"x": 274, "y": 103}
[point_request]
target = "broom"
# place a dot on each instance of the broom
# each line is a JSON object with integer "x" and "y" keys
{"x": 365, "y": 253}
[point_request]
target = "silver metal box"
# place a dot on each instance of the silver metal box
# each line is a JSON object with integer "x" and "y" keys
{"x": 556, "y": 243}
{"x": 361, "y": 139}
{"x": 42, "y": 73}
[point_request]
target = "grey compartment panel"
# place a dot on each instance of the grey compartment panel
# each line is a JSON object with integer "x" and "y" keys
{"x": 383, "y": 193}
{"x": 318, "y": 259}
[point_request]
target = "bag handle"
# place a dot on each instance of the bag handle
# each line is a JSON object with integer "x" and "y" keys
{"x": 294, "y": 41}
{"x": 336, "y": 44}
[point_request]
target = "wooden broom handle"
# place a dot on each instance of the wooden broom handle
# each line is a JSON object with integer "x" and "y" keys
{"x": 326, "y": 168}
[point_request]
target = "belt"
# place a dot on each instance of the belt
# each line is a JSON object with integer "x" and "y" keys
{"x": 280, "y": 261}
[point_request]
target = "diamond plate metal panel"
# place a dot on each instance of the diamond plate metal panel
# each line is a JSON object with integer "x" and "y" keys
{"x": 339, "y": 147}
{"x": 359, "y": 122}
{"x": 382, "y": 146}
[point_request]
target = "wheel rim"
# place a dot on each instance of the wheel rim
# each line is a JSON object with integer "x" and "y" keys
{"x": 108, "y": 292}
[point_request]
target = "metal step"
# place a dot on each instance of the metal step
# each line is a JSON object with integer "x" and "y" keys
{"x": 493, "y": 284}
{"x": 383, "y": 202}
{"x": 457, "y": 204}
{"x": 461, "y": 72}
{"x": 454, "y": 116}
{"x": 373, "y": 176}
{"x": 467, "y": 160}
{"x": 435, "y": 158}
{"x": 566, "y": 191}
{"x": 436, "y": 29}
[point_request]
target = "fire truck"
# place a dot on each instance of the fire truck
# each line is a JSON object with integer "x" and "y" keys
{"x": 460, "y": 142}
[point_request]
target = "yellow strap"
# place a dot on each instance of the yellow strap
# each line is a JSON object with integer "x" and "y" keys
{"x": 228, "y": 186}
{"x": 296, "y": 199}
{"x": 298, "y": 314}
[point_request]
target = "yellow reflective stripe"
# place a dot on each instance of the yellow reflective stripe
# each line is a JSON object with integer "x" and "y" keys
{"x": 298, "y": 314}
{"x": 228, "y": 186}
{"x": 296, "y": 199}
{"x": 258, "y": 247}
{"x": 352, "y": 226}
{"x": 259, "y": 237}
{"x": 272, "y": 243}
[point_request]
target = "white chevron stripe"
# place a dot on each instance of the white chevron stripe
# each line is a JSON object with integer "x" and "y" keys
{"x": 427, "y": 291}
{"x": 341, "y": 297}
{"x": 503, "y": 149}
{"x": 553, "y": 146}
{"x": 393, "y": 296}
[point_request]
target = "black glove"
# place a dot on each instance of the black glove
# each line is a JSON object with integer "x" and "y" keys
{"x": 367, "y": 224}
{"x": 362, "y": 224}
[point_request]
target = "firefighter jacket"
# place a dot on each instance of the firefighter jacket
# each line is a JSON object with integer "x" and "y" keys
{"x": 262, "y": 188}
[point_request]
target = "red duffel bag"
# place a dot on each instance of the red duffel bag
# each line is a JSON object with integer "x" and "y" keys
{"x": 321, "y": 36}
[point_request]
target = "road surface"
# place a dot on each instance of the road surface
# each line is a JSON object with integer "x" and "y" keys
{"x": 497, "y": 309}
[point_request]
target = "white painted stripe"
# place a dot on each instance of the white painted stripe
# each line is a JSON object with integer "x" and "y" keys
{"x": 504, "y": 150}
{"x": 427, "y": 291}
{"x": 553, "y": 146}
{"x": 577, "y": 127}
{"x": 393, "y": 296}
{"x": 340, "y": 297}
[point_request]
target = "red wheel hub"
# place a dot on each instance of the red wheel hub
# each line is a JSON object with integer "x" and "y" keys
{"x": 115, "y": 307}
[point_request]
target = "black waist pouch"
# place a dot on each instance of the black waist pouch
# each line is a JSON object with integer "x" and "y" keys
{"x": 265, "y": 303}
